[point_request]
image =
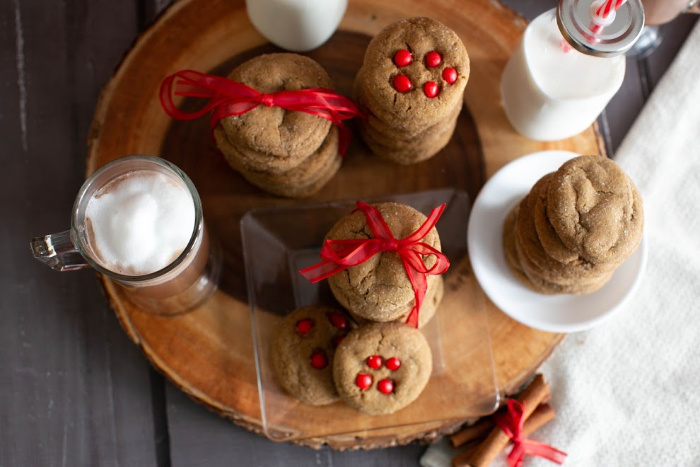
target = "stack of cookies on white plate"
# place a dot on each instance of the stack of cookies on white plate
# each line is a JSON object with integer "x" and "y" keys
{"x": 574, "y": 227}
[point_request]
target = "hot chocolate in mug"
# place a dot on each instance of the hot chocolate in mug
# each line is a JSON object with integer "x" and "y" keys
{"x": 138, "y": 220}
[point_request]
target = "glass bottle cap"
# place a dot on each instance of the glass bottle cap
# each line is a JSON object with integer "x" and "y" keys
{"x": 593, "y": 36}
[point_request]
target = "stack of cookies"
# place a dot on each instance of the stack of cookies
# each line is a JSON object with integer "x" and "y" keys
{"x": 287, "y": 153}
{"x": 380, "y": 365}
{"x": 574, "y": 228}
{"x": 411, "y": 86}
{"x": 379, "y": 288}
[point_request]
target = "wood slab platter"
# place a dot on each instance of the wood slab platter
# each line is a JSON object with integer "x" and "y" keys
{"x": 208, "y": 353}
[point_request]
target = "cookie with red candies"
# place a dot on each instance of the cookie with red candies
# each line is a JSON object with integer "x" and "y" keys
{"x": 303, "y": 351}
{"x": 411, "y": 87}
{"x": 380, "y": 368}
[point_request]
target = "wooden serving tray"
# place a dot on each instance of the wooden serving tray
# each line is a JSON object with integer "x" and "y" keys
{"x": 208, "y": 353}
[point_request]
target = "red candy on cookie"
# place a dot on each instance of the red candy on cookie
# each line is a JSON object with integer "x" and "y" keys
{"x": 393, "y": 363}
{"x": 431, "y": 89}
{"x": 363, "y": 381}
{"x": 319, "y": 360}
{"x": 374, "y": 361}
{"x": 304, "y": 326}
{"x": 402, "y": 83}
{"x": 385, "y": 386}
{"x": 433, "y": 59}
{"x": 337, "y": 340}
{"x": 403, "y": 58}
{"x": 338, "y": 320}
{"x": 449, "y": 75}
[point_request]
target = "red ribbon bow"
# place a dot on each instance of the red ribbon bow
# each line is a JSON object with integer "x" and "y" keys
{"x": 339, "y": 255}
{"x": 228, "y": 97}
{"x": 511, "y": 422}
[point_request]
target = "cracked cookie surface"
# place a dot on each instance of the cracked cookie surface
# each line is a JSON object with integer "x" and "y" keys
{"x": 595, "y": 209}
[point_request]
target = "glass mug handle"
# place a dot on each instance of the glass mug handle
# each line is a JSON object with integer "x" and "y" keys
{"x": 58, "y": 252}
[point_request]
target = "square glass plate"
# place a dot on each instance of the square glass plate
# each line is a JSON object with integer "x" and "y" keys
{"x": 278, "y": 242}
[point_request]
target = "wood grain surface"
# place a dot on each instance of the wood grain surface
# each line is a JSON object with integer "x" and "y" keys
{"x": 208, "y": 353}
{"x": 75, "y": 389}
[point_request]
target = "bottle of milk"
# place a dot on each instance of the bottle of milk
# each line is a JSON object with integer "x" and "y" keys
{"x": 567, "y": 67}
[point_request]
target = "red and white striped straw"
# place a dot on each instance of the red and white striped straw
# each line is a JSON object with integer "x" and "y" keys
{"x": 608, "y": 6}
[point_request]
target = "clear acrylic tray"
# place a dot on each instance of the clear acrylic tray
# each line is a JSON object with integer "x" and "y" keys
{"x": 278, "y": 242}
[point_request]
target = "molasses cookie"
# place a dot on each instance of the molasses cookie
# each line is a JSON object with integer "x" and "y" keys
{"x": 595, "y": 209}
{"x": 548, "y": 237}
{"x": 428, "y": 309}
{"x": 380, "y": 368}
{"x": 532, "y": 280}
{"x": 410, "y": 150}
{"x": 379, "y": 289}
{"x": 574, "y": 227}
{"x": 510, "y": 250}
{"x": 412, "y": 78}
{"x": 534, "y": 258}
{"x": 273, "y": 138}
{"x": 301, "y": 181}
{"x": 303, "y": 350}
{"x": 543, "y": 285}
{"x": 420, "y": 50}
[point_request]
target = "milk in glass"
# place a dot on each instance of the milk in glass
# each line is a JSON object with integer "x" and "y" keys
{"x": 551, "y": 91}
{"x": 555, "y": 87}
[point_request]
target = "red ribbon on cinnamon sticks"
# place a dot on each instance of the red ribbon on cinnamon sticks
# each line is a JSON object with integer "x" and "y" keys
{"x": 228, "y": 98}
{"x": 339, "y": 255}
{"x": 511, "y": 422}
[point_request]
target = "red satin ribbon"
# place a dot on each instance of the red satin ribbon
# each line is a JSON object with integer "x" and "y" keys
{"x": 228, "y": 97}
{"x": 511, "y": 422}
{"x": 338, "y": 255}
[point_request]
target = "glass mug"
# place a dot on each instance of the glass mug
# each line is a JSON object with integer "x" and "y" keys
{"x": 657, "y": 13}
{"x": 183, "y": 281}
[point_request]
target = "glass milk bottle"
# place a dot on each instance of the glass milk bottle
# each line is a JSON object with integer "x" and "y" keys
{"x": 296, "y": 25}
{"x": 567, "y": 67}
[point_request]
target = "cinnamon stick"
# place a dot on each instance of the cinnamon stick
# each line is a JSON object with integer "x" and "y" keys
{"x": 542, "y": 415}
{"x": 472, "y": 433}
{"x": 497, "y": 440}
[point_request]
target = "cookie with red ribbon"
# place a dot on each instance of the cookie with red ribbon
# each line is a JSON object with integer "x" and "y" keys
{"x": 274, "y": 138}
{"x": 380, "y": 368}
{"x": 275, "y": 119}
{"x": 412, "y": 81}
{"x": 432, "y": 300}
{"x": 303, "y": 351}
{"x": 382, "y": 260}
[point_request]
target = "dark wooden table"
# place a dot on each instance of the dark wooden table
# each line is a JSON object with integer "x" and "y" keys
{"x": 74, "y": 391}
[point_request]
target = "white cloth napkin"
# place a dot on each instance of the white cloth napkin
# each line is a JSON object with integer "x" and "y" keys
{"x": 627, "y": 393}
